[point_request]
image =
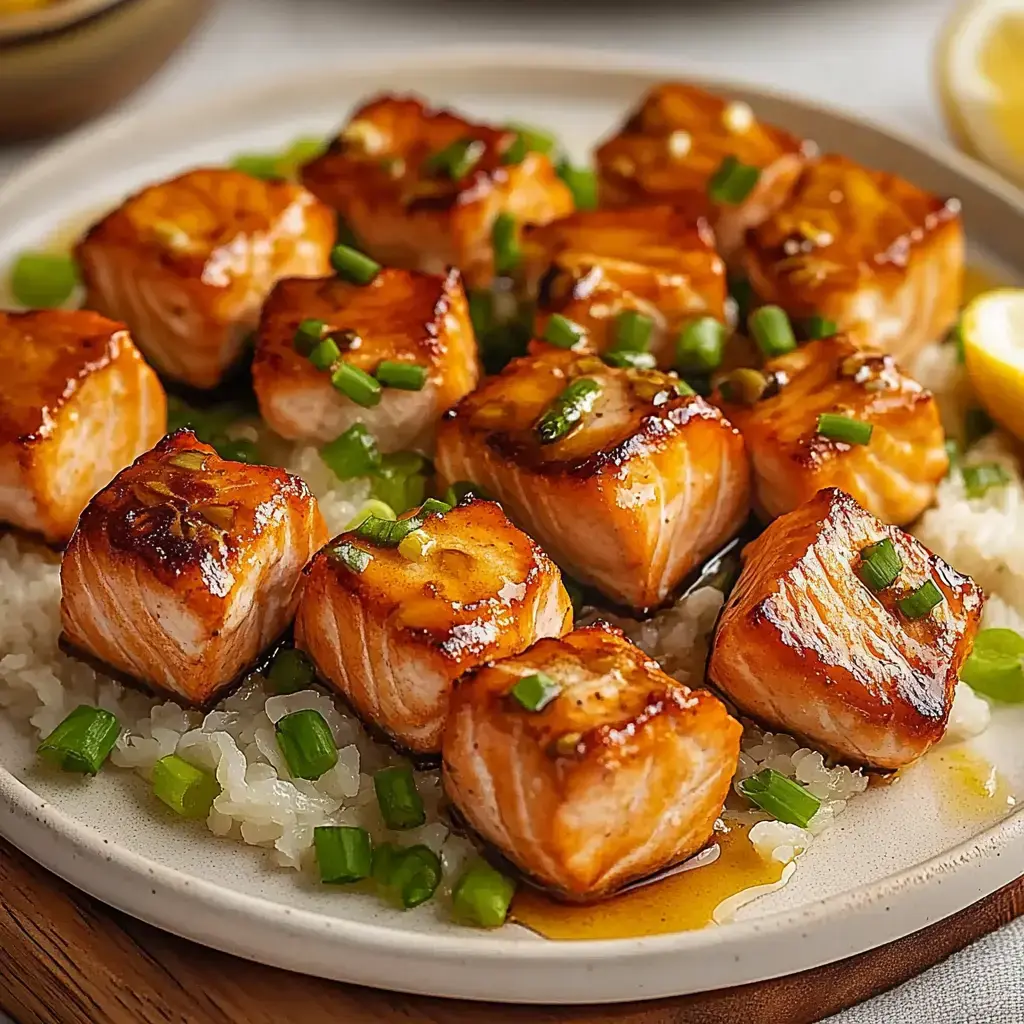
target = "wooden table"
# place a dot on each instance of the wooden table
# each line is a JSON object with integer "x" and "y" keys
{"x": 67, "y": 959}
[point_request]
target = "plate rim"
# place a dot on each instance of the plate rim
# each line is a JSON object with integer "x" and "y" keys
{"x": 32, "y": 823}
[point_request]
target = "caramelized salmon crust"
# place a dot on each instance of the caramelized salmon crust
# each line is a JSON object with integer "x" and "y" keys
{"x": 187, "y": 264}
{"x": 388, "y": 175}
{"x": 648, "y": 483}
{"x": 894, "y": 475}
{"x": 77, "y": 404}
{"x": 805, "y": 647}
{"x": 622, "y": 774}
{"x": 401, "y": 316}
{"x": 673, "y": 143}
{"x": 186, "y": 567}
{"x": 594, "y": 265}
{"x": 866, "y": 249}
{"x": 392, "y": 638}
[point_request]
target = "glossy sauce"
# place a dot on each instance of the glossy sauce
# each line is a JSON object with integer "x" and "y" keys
{"x": 968, "y": 785}
{"x": 684, "y": 902}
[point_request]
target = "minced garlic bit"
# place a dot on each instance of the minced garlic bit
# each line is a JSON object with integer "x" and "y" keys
{"x": 738, "y": 117}
{"x": 415, "y": 546}
{"x": 364, "y": 135}
{"x": 679, "y": 144}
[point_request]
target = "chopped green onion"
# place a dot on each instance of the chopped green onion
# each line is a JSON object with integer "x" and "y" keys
{"x": 781, "y": 797}
{"x": 632, "y": 332}
{"x": 351, "y": 454}
{"x": 307, "y": 744}
{"x": 371, "y": 507}
{"x": 353, "y": 266}
{"x": 627, "y": 360}
{"x": 977, "y": 424}
{"x": 732, "y": 182}
{"x": 187, "y": 790}
{"x": 481, "y": 311}
{"x": 505, "y": 236}
{"x": 952, "y": 447}
{"x": 343, "y": 854}
{"x": 290, "y": 671}
{"x": 880, "y": 564}
{"x": 401, "y": 806}
{"x": 482, "y": 896}
{"x": 744, "y": 386}
{"x": 409, "y": 875}
{"x": 356, "y": 384}
{"x": 265, "y": 166}
{"x": 843, "y": 428}
{"x": 567, "y": 410}
{"x": 535, "y": 691}
{"x": 920, "y": 602}
{"x": 536, "y": 140}
{"x": 238, "y": 450}
{"x": 456, "y": 160}
{"x": 996, "y": 665}
{"x": 462, "y": 489}
{"x": 390, "y": 533}
{"x": 304, "y": 149}
{"x": 404, "y": 376}
{"x": 815, "y": 327}
{"x": 515, "y": 152}
{"x": 582, "y": 183}
{"x": 83, "y": 741}
{"x": 435, "y": 506}
{"x": 772, "y": 331}
{"x": 355, "y": 559}
{"x": 956, "y": 337}
{"x": 308, "y": 335}
{"x": 400, "y": 481}
{"x": 741, "y": 291}
{"x": 701, "y": 345}
{"x": 563, "y": 332}
{"x": 324, "y": 354}
{"x": 981, "y": 478}
{"x": 42, "y": 280}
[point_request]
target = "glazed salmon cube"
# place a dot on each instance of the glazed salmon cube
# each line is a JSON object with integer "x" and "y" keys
{"x": 594, "y": 265}
{"x": 616, "y": 772}
{"x": 77, "y": 404}
{"x": 640, "y": 481}
{"x": 806, "y": 646}
{"x": 865, "y": 249}
{"x": 894, "y": 475}
{"x": 187, "y": 264}
{"x": 185, "y": 569}
{"x": 390, "y": 177}
{"x": 401, "y": 316}
{"x": 391, "y": 629}
{"x": 674, "y": 143}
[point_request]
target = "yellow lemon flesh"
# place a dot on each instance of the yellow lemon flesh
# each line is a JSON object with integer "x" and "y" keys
{"x": 992, "y": 328}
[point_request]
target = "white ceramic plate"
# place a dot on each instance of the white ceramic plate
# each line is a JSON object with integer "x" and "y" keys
{"x": 897, "y": 860}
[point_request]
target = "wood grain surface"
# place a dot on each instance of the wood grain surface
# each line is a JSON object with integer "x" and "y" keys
{"x": 67, "y": 959}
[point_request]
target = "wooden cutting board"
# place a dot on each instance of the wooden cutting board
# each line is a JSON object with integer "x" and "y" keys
{"x": 67, "y": 959}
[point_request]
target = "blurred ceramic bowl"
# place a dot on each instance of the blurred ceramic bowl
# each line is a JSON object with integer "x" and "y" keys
{"x": 64, "y": 62}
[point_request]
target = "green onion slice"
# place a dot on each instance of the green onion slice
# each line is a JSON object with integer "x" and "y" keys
{"x": 843, "y": 428}
{"x": 456, "y": 160}
{"x": 701, "y": 346}
{"x": 409, "y": 875}
{"x": 265, "y": 166}
{"x": 389, "y": 533}
{"x": 481, "y": 311}
{"x": 400, "y": 481}
{"x": 741, "y": 291}
{"x": 563, "y": 332}
{"x": 745, "y": 386}
{"x": 566, "y": 412}
{"x": 356, "y": 384}
{"x": 290, "y": 671}
{"x": 353, "y": 453}
{"x": 977, "y": 424}
{"x": 462, "y": 489}
{"x": 482, "y": 896}
{"x": 355, "y": 559}
{"x": 515, "y": 152}
{"x": 772, "y": 331}
{"x": 400, "y": 803}
{"x": 732, "y": 182}
{"x": 582, "y": 183}
{"x": 982, "y": 477}
{"x": 404, "y": 376}
{"x": 536, "y": 140}
{"x": 238, "y": 450}
{"x": 308, "y": 335}
{"x": 307, "y": 744}
{"x": 996, "y": 665}
{"x": 83, "y": 741}
{"x": 627, "y": 360}
{"x": 42, "y": 280}
{"x": 505, "y": 237}
{"x": 343, "y": 854}
{"x": 351, "y": 265}
{"x": 187, "y": 790}
{"x": 815, "y": 327}
{"x": 781, "y": 797}
{"x": 324, "y": 354}
{"x": 952, "y": 447}
{"x": 535, "y": 691}
{"x": 880, "y": 565}
{"x": 633, "y": 331}
{"x": 918, "y": 603}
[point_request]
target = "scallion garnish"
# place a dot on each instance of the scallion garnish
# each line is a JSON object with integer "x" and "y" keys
{"x": 582, "y": 183}
{"x": 536, "y": 140}
{"x": 837, "y": 427}
{"x": 566, "y": 412}
{"x": 481, "y": 311}
{"x": 563, "y": 332}
{"x": 701, "y": 346}
{"x": 400, "y": 481}
{"x": 404, "y": 376}
{"x": 351, "y": 454}
{"x": 482, "y": 896}
{"x": 307, "y": 744}
{"x": 626, "y": 360}
{"x": 290, "y": 671}
{"x": 355, "y": 559}
{"x": 918, "y": 603}
{"x": 535, "y": 691}
{"x": 409, "y": 875}
{"x": 632, "y": 332}
{"x": 880, "y": 564}
{"x": 265, "y": 166}
{"x": 952, "y": 447}
{"x": 238, "y": 450}
{"x": 400, "y": 803}
{"x": 741, "y": 291}
{"x": 732, "y": 182}
{"x": 83, "y": 741}
{"x": 353, "y": 266}
{"x": 187, "y": 790}
{"x": 505, "y": 238}
{"x": 308, "y": 335}
{"x": 781, "y": 797}
{"x": 995, "y": 667}
{"x": 772, "y": 331}
{"x": 979, "y": 479}
{"x": 356, "y": 384}
{"x": 389, "y": 533}
{"x": 745, "y": 386}
{"x": 325, "y": 353}
{"x": 461, "y": 489}
{"x": 42, "y": 280}
{"x": 515, "y": 152}
{"x": 371, "y": 507}
{"x": 456, "y": 160}
{"x": 815, "y": 327}
{"x": 343, "y": 854}
{"x": 977, "y": 424}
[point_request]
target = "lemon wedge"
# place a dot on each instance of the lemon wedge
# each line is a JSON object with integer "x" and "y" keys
{"x": 992, "y": 328}
{"x": 980, "y": 67}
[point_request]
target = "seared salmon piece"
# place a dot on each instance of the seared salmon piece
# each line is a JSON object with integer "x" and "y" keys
{"x": 401, "y": 316}
{"x": 586, "y": 765}
{"x": 185, "y": 568}
{"x": 187, "y": 264}
{"x": 422, "y": 188}
{"x": 392, "y": 628}
{"x": 596, "y": 264}
{"x": 674, "y": 143}
{"x": 894, "y": 475}
{"x": 865, "y": 249}
{"x": 806, "y": 646}
{"x": 77, "y": 404}
{"x": 626, "y": 478}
